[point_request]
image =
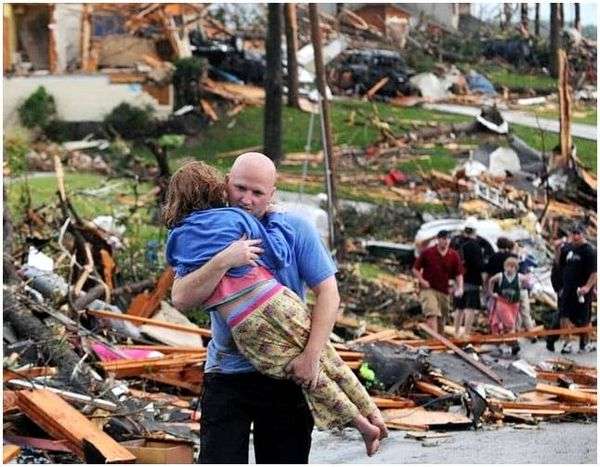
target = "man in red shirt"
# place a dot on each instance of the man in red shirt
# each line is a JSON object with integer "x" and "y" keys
{"x": 434, "y": 268}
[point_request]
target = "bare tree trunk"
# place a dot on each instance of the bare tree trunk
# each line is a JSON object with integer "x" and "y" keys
{"x": 272, "y": 137}
{"x": 291, "y": 42}
{"x": 537, "y": 19}
{"x": 336, "y": 242}
{"x": 577, "y": 24}
{"x": 554, "y": 38}
{"x": 525, "y": 16}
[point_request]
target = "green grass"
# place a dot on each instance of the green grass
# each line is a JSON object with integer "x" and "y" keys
{"x": 511, "y": 79}
{"x": 370, "y": 271}
{"x": 586, "y": 149}
{"x": 43, "y": 193}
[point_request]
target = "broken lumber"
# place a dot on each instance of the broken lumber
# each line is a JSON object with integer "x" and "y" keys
{"x": 99, "y": 291}
{"x": 73, "y": 396}
{"x": 567, "y": 394}
{"x": 568, "y": 408}
{"x": 389, "y": 403}
{"x": 154, "y": 322}
{"x": 63, "y": 421}
{"x": 145, "y": 304}
{"x": 10, "y": 452}
{"x": 432, "y": 389}
{"x": 465, "y": 356}
{"x": 377, "y": 86}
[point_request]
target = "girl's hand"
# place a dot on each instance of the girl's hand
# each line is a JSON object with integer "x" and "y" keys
{"x": 242, "y": 252}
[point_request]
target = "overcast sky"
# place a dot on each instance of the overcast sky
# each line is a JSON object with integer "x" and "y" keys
{"x": 588, "y": 11}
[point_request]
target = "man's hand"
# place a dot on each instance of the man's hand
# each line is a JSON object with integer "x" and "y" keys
{"x": 242, "y": 252}
{"x": 304, "y": 370}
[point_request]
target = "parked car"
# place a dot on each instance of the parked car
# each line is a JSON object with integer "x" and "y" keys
{"x": 362, "y": 69}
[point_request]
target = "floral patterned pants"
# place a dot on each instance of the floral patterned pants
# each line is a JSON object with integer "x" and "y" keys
{"x": 275, "y": 333}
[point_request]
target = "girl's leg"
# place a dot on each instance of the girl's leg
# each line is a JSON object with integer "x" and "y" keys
{"x": 338, "y": 371}
{"x": 458, "y": 318}
{"x": 275, "y": 334}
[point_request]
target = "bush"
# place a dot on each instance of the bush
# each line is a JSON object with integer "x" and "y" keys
{"x": 38, "y": 109}
{"x": 16, "y": 147}
{"x": 57, "y": 130}
{"x": 131, "y": 122}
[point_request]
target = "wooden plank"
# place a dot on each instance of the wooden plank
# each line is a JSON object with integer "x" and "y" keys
{"x": 490, "y": 339}
{"x": 549, "y": 406}
{"x": 208, "y": 110}
{"x": 10, "y": 452}
{"x": 532, "y": 412}
{"x": 76, "y": 397}
{"x": 428, "y": 388}
{"x": 420, "y": 417}
{"x": 386, "y": 334}
{"x": 154, "y": 322}
{"x": 166, "y": 349}
{"x": 377, "y": 86}
{"x": 108, "y": 268}
{"x": 150, "y": 302}
{"x": 9, "y": 401}
{"x": 29, "y": 373}
{"x": 388, "y": 403}
{"x": 567, "y": 394}
{"x": 465, "y": 356}
{"x": 63, "y": 421}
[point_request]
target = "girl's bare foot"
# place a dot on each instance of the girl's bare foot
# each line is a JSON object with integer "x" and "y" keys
{"x": 369, "y": 432}
{"x": 376, "y": 419}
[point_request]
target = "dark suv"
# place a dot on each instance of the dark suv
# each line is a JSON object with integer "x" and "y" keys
{"x": 362, "y": 69}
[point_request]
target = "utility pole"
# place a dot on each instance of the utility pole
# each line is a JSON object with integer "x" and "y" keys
{"x": 272, "y": 134}
{"x": 291, "y": 45}
{"x": 537, "y": 20}
{"x": 565, "y": 109}
{"x": 335, "y": 240}
{"x": 577, "y": 23}
{"x": 554, "y": 38}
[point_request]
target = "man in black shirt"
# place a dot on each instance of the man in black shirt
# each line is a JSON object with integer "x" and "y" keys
{"x": 469, "y": 303}
{"x": 577, "y": 266}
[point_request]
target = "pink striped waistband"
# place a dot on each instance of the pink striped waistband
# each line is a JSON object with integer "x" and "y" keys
{"x": 237, "y": 318}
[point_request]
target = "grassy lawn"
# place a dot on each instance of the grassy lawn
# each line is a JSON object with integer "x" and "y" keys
{"x": 502, "y": 76}
{"x": 116, "y": 200}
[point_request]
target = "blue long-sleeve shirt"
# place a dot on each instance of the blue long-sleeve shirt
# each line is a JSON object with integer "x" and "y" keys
{"x": 203, "y": 234}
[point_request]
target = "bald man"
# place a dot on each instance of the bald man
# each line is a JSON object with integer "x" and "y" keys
{"x": 235, "y": 396}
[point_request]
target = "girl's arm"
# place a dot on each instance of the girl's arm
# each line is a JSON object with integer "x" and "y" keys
{"x": 492, "y": 283}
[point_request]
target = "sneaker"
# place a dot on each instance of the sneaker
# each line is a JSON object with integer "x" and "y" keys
{"x": 567, "y": 348}
{"x": 550, "y": 346}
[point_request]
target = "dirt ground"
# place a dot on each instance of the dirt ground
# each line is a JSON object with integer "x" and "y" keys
{"x": 546, "y": 443}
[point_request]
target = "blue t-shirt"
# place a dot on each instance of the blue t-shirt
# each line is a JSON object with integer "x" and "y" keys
{"x": 310, "y": 264}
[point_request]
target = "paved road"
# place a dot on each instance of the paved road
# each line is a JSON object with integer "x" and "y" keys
{"x": 580, "y": 130}
{"x": 546, "y": 443}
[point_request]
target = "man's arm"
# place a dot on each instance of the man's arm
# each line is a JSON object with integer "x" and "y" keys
{"x": 194, "y": 288}
{"x": 304, "y": 369}
{"x": 589, "y": 284}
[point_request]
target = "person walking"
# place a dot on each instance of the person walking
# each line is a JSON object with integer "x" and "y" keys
{"x": 469, "y": 304}
{"x": 236, "y": 398}
{"x": 434, "y": 268}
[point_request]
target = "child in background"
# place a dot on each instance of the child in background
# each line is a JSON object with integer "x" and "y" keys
{"x": 505, "y": 290}
{"x": 269, "y": 323}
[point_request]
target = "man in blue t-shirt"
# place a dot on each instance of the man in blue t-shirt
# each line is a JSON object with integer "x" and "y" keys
{"x": 235, "y": 395}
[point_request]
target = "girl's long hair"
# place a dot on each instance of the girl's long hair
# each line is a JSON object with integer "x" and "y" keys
{"x": 194, "y": 187}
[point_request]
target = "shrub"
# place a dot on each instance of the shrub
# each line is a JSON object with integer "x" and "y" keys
{"x": 16, "y": 147}
{"x": 131, "y": 122}
{"x": 38, "y": 109}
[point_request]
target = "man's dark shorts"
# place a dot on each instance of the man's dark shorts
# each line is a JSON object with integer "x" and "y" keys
{"x": 569, "y": 307}
{"x": 471, "y": 299}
